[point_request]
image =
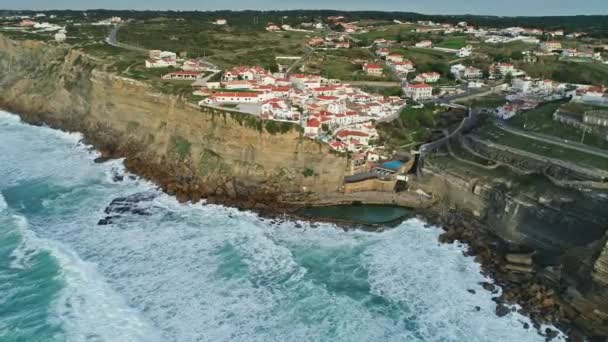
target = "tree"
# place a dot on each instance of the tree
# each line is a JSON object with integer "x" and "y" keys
{"x": 325, "y": 128}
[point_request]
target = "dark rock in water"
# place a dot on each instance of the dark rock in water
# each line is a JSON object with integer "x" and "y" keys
{"x": 502, "y": 310}
{"x": 100, "y": 160}
{"x": 526, "y": 326}
{"x": 488, "y": 286}
{"x": 132, "y": 177}
{"x": 471, "y": 291}
{"x": 312, "y": 225}
{"x": 117, "y": 178}
{"x": 128, "y": 205}
{"x": 106, "y": 220}
{"x": 551, "y": 334}
{"x": 478, "y": 308}
{"x": 298, "y": 225}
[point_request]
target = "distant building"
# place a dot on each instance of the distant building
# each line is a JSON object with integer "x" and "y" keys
{"x": 472, "y": 72}
{"x": 373, "y": 69}
{"x": 428, "y": 77}
{"x": 419, "y": 91}
{"x": 394, "y": 57}
{"x": 60, "y": 36}
{"x": 183, "y": 75}
{"x": 272, "y": 28}
{"x": 464, "y": 52}
{"x": 550, "y": 46}
{"x": 424, "y": 44}
{"x": 596, "y": 118}
{"x": 27, "y": 23}
{"x": 404, "y": 66}
{"x": 220, "y": 22}
{"x": 160, "y": 63}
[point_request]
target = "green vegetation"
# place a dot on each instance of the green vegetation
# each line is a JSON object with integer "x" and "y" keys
{"x": 415, "y": 125}
{"x": 488, "y": 101}
{"x": 427, "y": 60}
{"x": 504, "y": 52}
{"x": 492, "y": 133}
{"x": 343, "y": 64}
{"x": 181, "y": 147}
{"x": 274, "y": 127}
{"x": 308, "y": 173}
{"x": 225, "y": 45}
{"x": 568, "y": 72}
{"x": 384, "y": 91}
{"x": 453, "y": 42}
{"x": 540, "y": 120}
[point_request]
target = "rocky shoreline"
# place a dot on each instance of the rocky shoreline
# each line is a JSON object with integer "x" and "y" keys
{"x": 539, "y": 299}
{"x": 536, "y": 295}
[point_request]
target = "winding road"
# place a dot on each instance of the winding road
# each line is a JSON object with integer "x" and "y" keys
{"x": 112, "y": 39}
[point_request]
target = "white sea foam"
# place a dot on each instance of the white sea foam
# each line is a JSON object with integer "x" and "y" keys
{"x": 87, "y": 308}
{"x": 211, "y": 273}
{"x": 3, "y": 205}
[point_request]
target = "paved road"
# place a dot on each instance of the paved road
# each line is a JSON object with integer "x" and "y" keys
{"x": 374, "y": 83}
{"x": 300, "y": 60}
{"x": 555, "y": 141}
{"x": 113, "y": 40}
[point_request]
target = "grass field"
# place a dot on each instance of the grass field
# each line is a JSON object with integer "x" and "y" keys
{"x": 489, "y": 101}
{"x": 495, "y": 134}
{"x": 455, "y": 42}
{"x": 540, "y": 120}
{"x": 343, "y": 64}
{"x": 226, "y": 46}
{"x": 568, "y": 72}
{"x": 427, "y": 60}
{"x": 504, "y": 52}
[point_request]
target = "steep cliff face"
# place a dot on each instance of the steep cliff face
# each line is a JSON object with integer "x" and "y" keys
{"x": 190, "y": 151}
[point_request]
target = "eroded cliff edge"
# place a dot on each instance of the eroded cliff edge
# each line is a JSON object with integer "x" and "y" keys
{"x": 191, "y": 152}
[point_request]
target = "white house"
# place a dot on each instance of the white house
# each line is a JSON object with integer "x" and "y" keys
{"x": 236, "y": 97}
{"x": 160, "y": 63}
{"x": 60, "y": 36}
{"x": 220, "y": 22}
{"x": 183, "y": 75}
{"x": 472, "y": 72}
{"x": 505, "y": 68}
{"x": 312, "y": 127}
{"x": 428, "y": 77}
{"x": 464, "y": 52}
{"x": 383, "y": 52}
{"x": 457, "y": 70}
{"x": 405, "y": 66}
{"x": 550, "y": 46}
{"x": 521, "y": 85}
{"x": 419, "y": 91}
{"x": 424, "y": 44}
{"x": 394, "y": 57}
{"x": 373, "y": 69}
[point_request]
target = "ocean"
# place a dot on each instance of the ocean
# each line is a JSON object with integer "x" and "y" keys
{"x": 89, "y": 252}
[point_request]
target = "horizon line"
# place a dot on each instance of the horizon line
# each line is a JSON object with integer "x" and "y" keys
{"x": 300, "y": 9}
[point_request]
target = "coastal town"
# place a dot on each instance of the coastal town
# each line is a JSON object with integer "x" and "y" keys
{"x": 343, "y": 110}
{"x": 490, "y": 121}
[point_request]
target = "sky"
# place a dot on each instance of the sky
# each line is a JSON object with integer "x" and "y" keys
{"x": 489, "y": 7}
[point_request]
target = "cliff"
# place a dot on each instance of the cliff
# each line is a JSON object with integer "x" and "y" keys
{"x": 566, "y": 233}
{"x": 189, "y": 151}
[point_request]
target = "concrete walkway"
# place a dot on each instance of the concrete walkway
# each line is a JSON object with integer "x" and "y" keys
{"x": 407, "y": 199}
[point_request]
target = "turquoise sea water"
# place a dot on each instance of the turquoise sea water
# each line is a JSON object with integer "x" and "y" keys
{"x": 157, "y": 270}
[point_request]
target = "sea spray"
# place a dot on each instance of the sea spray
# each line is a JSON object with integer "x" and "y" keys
{"x": 191, "y": 272}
